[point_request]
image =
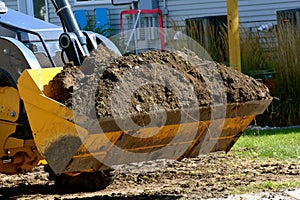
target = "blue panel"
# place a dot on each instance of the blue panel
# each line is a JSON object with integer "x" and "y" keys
{"x": 80, "y": 18}
{"x": 101, "y": 19}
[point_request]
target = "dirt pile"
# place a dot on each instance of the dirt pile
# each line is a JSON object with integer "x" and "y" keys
{"x": 105, "y": 79}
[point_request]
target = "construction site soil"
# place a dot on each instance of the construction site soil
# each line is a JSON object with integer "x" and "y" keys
{"x": 150, "y": 81}
{"x": 212, "y": 176}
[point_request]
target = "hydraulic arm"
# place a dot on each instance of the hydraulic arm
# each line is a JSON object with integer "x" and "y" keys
{"x": 74, "y": 42}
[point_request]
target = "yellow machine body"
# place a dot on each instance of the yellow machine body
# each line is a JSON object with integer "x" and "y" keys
{"x": 18, "y": 155}
{"x": 70, "y": 148}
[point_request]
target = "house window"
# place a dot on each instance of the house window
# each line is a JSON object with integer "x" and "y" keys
{"x": 39, "y": 7}
{"x": 36, "y": 8}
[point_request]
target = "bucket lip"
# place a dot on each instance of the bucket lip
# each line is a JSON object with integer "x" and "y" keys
{"x": 259, "y": 104}
{"x": 110, "y": 124}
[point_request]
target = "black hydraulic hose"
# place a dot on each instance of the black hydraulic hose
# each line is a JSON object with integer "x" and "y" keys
{"x": 59, "y": 15}
{"x": 62, "y": 56}
{"x": 69, "y": 21}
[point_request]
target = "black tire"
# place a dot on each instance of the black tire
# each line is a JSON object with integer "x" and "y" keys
{"x": 85, "y": 181}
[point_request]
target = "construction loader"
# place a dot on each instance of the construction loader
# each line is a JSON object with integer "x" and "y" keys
{"x": 38, "y": 130}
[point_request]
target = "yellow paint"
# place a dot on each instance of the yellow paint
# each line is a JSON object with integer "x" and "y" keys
{"x": 22, "y": 159}
{"x": 233, "y": 34}
{"x": 49, "y": 119}
{"x": 19, "y": 154}
{"x": 7, "y": 128}
{"x": 13, "y": 143}
{"x": 9, "y": 104}
{"x": 42, "y": 162}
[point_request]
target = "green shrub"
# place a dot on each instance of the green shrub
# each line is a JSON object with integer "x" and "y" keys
{"x": 91, "y": 26}
{"x": 256, "y": 51}
{"x": 277, "y": 51}
{"x": 287, "y": 67}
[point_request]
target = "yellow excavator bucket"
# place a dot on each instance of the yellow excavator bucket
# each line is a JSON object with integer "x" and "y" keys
{"x": 69, "y": 147}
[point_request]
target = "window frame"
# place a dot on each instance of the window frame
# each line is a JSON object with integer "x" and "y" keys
{"x": 76, "y": 2}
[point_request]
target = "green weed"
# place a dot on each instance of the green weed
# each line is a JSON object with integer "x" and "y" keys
{"x": 266, "y": 186}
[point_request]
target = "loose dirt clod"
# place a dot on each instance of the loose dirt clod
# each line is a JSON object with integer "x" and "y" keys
{"x": 150, "y": 81}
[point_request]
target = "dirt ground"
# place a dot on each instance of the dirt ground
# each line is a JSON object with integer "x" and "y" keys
{"x": 213, "y": 176}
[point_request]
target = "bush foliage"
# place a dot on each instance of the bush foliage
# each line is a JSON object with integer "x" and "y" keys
{"x": 277, "y": 51}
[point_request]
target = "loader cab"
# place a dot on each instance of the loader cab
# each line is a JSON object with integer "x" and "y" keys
{"x": 39, "y": 36}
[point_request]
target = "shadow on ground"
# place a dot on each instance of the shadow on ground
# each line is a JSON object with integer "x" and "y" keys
{"x": 26, "y": 190}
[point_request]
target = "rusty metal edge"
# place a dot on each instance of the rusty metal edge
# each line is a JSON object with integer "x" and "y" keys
{"x": 255, "y": 107}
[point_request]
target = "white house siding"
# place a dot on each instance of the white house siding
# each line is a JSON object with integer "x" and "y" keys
{"x": 252, "y": 13}
{"x": 179, "y": 10}
{"x": 114, "y": 13}
{"x": 13, "y": 4}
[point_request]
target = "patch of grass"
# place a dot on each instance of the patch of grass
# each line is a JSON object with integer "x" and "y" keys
{"x": 275, "y": 144}
{"x": 266, "y": 186}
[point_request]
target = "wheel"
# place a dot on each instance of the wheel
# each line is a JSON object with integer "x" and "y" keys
{"x": 85, "y": 181}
